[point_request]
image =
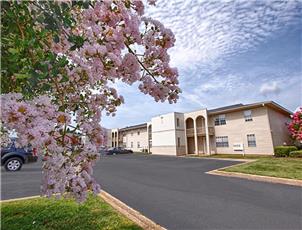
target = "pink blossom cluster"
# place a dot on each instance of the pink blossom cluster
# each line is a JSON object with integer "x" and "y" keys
{"x": 113, "y": 34}
{"x": 69, "y": 158}
{"x": 295, "y": 126}
{"x": 119, "y": 44}
{"x": 33, "y": 120}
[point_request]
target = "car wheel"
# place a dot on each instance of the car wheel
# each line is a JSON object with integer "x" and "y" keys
{"x": 13, "y": 164}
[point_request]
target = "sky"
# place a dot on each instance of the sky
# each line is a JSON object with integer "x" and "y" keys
{"x": 226, "y": 52}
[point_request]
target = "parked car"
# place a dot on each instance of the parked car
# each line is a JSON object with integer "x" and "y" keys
{"x": 12, "y": 158}
{"x": 117, "y": 150}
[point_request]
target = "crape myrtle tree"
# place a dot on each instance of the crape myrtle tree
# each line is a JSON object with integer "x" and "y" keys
{"x": 60, "y": 60}
{"x": 295, "y": 126}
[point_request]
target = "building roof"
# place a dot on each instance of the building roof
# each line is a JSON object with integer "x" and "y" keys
{"x": 237, "y": 107}
{"x": 225, "y": 108}
{"x": 144, "y": 125}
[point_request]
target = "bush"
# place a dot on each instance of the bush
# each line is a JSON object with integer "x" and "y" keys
{"x": 283, "y": 151}
{"x": 297, "y": 153}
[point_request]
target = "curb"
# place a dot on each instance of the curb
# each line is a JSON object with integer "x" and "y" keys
{"x": 18, "y": 199}
{"x": 130, "y": 213}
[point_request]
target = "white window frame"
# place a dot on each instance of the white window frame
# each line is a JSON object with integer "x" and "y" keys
{"x": 138, "y": 145}
{"x": 248, "y": 115}
{"x": 222, "y": 141}
{"x": 220, "y": 120}
{"x": 178, "y": 141}
{"x": 251, "y": 140}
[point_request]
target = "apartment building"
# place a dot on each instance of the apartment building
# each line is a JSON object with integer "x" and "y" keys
{"x": 237, "y": 129}
{"x": 132, "y": 137}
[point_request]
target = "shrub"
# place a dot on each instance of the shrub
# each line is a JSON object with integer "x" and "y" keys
{"x": 297, "y": 153}
{"x": 283, "y": 151}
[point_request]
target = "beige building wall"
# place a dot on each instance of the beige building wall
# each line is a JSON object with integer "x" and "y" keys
{"x": 237, "y": 129}
{"x": 109, "y": 138}
{"x": 168, "y": 136}
{"x": 135, "y": 139}
{"x": 279, "y": 131}
{"x": 180, "y": 135}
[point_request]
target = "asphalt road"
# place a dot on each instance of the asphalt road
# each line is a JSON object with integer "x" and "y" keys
{"x": 177, "y": 194}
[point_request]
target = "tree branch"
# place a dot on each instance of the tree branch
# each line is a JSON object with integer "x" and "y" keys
{"x": 142, "y": 64}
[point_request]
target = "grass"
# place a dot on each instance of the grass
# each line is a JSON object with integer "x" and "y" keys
{"x": 46, "y": 214}
{"x": 270, "y": 166}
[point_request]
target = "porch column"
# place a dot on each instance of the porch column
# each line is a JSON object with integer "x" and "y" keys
{"x": 207, "y": 137}
{"x": 117, "y": 140}
{"x": 186, "y": 139}
{"x": 195, "y": 137}
{"x": 148, "y": 140}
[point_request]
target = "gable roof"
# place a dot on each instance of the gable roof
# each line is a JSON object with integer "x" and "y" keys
{"x": 144, "y": 125}
{"x": 237, "y": 107}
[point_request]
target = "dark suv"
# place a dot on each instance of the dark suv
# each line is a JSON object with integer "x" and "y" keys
{"x": 12, "y": 158}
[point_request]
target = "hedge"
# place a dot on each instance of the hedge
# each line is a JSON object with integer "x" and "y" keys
{"x": 297, "y": 153}
{"x": 283, "y": 151}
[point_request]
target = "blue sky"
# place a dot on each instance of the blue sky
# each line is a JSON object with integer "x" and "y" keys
{"x": 226, "y": 52}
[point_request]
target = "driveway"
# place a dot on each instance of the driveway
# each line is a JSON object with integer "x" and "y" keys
{"x": 177, "y": 194}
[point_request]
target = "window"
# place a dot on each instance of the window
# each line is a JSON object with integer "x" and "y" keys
{"x": 248, "y": 115}
{"x": 178, "y": 141}
{"x": 131, "y": 144}
{"x": 138, "y": 145}
{"x": 251, "y": 140}
{"x": 220, "y": 120}
{"x": 177, "y": 122}
{"x": 138, "y": 133}
{"x": 222, "y": 141}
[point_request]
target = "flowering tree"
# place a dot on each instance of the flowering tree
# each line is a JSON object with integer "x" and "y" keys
{"x": 295, "y": 126}
{"x": 59, "y": 64}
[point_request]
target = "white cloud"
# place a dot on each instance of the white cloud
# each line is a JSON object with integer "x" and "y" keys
{"x": 208, "y": 35}
{"x": 208, "y": 32}
{"x": 270, "y": 88}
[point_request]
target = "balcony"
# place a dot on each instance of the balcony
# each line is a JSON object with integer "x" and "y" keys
{"x": 190, "y": 132}
{"x": 201, "y": 131}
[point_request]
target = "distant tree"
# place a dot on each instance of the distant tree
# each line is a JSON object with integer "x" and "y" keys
{"x": 60, "y": 60}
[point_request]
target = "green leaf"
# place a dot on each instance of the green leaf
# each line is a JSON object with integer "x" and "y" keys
{"x": 21, "y": 75}
{"x": 12, "y": 50}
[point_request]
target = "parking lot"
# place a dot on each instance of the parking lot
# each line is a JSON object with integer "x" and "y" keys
{"x": 177, "y": 194}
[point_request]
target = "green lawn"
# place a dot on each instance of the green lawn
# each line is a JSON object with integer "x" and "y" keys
{"x": 271, "y": 166}
{"x": 43, "y": 213}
